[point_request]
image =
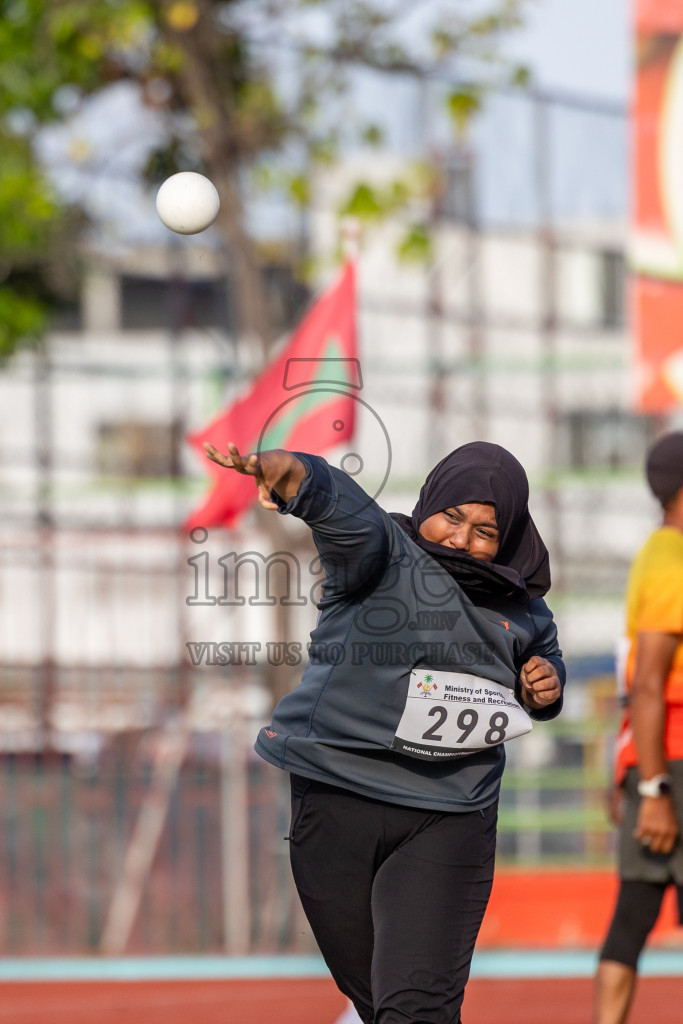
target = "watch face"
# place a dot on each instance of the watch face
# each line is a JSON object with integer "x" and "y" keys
{"x": 664, "y": 787}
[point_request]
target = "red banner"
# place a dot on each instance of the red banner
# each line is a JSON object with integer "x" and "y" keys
{"x": 657, "y": 250}
{"x": 304, "y": 400}
{"x": 659, "y": 16}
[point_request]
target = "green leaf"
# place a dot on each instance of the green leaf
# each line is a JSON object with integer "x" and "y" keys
{"x": 22, "y": 319}
{"x": 300, "y": 189}
{"x": 372, "y": 135}
{"x": 444, "y": 43}
{"x": 416, "y": 246}
{"x": 396, "y": 196}
{"x": 363, "y": 203}
{"x": 521, "y": 76}
{"x": 324, "y": 151}
{"x": 462, "y": 104}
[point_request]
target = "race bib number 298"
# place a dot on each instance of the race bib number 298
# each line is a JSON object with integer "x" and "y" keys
{"x": 452, "y": 714}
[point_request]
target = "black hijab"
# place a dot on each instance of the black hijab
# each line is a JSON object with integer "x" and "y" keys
{"x": 482, "y": 472}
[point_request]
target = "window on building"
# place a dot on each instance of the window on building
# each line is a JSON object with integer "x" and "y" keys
{"x": 611, "y": 439}
{"x": 138, "y": 449}
{"x": 149, "y": 303}
{"x": 65, "y": 315}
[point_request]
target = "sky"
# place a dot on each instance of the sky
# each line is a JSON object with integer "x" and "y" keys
{"x": 578, "y": 46}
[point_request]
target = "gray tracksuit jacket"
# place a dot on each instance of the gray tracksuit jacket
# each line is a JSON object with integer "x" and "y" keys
{"x": 387, "y": 609}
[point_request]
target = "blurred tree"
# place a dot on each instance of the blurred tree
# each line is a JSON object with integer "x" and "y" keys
{"x": 36, "y": 256}
{"x": 240, "y": 81}
{"x": 251, "y": 92}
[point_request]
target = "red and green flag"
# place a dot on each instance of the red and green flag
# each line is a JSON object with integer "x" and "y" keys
{"x": 303, "y": 400}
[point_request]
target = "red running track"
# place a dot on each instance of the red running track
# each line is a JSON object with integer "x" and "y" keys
{"x": 308, "y": 1001}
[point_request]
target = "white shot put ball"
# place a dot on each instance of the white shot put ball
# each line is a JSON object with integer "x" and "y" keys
{"x": 187, "y": 203}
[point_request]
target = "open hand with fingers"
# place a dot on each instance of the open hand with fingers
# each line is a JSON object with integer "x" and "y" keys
{"x": 657, "y": 828}
{"x": 275, "y": 470}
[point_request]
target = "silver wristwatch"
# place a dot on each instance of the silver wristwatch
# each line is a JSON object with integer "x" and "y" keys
{"x": 658, "y": 785}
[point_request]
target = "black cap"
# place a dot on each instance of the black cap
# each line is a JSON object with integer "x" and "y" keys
{"x": 664, "y": 467}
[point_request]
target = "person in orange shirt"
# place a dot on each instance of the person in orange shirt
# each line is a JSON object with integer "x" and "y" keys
{"x": 647, "y": 798}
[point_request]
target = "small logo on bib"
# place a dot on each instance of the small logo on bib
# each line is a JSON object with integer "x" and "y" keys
{"x": 427, "y": 685}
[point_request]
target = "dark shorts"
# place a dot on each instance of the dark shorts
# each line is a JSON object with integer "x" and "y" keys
{"x": 636, "y": 863}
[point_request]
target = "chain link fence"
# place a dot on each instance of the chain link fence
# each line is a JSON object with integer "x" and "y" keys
{"x": 136, "y": 817}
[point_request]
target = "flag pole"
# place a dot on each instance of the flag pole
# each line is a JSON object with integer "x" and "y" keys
{"x": 351, "y": 235}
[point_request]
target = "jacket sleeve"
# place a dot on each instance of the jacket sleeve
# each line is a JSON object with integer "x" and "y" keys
{"x": 353, "y": 535}
{"x": 545, "y": 645}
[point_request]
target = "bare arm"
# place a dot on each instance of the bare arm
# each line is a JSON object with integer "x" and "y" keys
{"x": 277, "y": 470}
{"x": 655, "y": 652}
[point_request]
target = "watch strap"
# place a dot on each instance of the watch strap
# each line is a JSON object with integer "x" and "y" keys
{"x": 658, "y": 785}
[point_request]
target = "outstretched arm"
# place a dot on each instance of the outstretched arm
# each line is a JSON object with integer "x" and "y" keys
{"x": 277, "y": 470}
{"x": 352, "y": 534}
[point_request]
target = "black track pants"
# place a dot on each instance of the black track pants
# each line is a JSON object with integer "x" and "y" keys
{"x": 395, "y": 897}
